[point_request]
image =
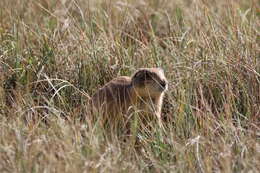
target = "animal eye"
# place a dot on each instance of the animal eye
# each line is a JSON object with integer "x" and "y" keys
{"x": 148, "y": 77}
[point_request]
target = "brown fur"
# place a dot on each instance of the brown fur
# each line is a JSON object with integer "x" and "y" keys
{"x": 144, "y": 91}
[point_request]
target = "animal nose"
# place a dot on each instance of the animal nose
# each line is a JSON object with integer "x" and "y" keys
{"x": 163, "y": 84}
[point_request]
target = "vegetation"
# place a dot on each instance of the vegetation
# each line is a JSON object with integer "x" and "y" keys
{"x": 55, "y": 54}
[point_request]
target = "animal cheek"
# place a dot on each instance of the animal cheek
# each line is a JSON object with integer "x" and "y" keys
{"x": 149, "y": 87}
{"x": 150, "y": 84}
{"x": 139, "y": 91}
{"x": 158, "y": 89}
{"x": 141, "y": 84}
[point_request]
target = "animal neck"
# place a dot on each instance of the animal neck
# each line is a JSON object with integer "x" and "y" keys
{"x": 138, "y": 98}
{"x": 133, "y": 94}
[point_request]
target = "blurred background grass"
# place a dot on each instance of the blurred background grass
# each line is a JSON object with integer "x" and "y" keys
{"x": 53, "y": 54}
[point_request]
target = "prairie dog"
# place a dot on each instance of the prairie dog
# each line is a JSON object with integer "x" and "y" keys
{"x": 144, "y": 91}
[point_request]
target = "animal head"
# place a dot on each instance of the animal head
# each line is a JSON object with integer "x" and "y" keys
{"x": 149, "y": 82}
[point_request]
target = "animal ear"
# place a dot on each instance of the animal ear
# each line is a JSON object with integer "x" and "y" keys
{"x": 140, "y": 73}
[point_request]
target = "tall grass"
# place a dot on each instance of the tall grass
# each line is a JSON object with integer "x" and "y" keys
{"x": 55, "y": 54}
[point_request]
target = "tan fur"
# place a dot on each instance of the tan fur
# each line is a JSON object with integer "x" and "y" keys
{"x": 144, "y": 91}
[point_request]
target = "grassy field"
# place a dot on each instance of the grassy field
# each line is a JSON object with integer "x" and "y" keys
{"x": 54, "y": 54}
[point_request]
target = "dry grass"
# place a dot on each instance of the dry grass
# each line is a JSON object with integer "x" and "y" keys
{"x": 53, "y": 54}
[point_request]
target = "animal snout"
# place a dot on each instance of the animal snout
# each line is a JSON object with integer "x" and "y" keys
{"x": 163, "y": 84}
